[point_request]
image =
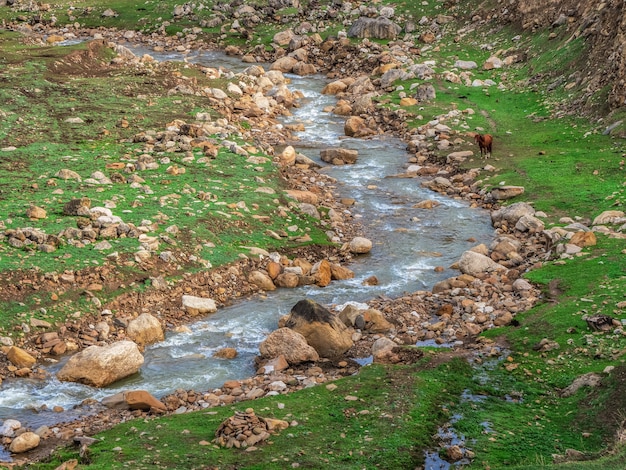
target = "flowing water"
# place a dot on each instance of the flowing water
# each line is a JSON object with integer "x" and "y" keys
{"x": 408, "y": 244}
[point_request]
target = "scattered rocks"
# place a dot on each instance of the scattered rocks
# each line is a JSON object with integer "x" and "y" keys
{"x": 246, "y": 429}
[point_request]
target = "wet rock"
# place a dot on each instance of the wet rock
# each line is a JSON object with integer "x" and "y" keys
{"x": 454, "y": 453}
{"x": 438, "y": 184}
{"x": 99, "y": 366}
{"x": 339, "y": 156}
{"x": 340, "y": 273}
{"x": 322, "y": 273}
{"x": 9, "y": 426}
{"x": 288, "y": 280}
{"x": 360, "y": 245}
{"x": 356, "y": 127}
{"x": 324, "y": 331}
{"x": 370, "y": 281}
{"x": 334, "y": 88}
{"x": 226, "y": 353}
{"x": 284, "y": 64}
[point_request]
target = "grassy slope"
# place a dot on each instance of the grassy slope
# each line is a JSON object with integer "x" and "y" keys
{"x": 39, "y": 95}
{"x": 567, "y": 168}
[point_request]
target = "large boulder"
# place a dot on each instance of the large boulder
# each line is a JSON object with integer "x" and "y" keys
{"x": 198, "y": 305}
{"x": 322, "y": 330}
{"x": 473, "y": 263}
{"x": 289, "y": 344}
{"x": 425, "y": 92}
{"x": 24, "y": 442}
{"x": 375, "y": 321}
{"x": 379, "y": 28}
{"x": 502, "y": 193}
{"x": 360, "y": 245}
{"x": 355, "y": 126}
{"x": 285, "y": 64}
{"x": 609, "y": 217}
{"x": 99, "y": 366}
{"x": 262, "y": 280}
{"x": 145, "y": 329}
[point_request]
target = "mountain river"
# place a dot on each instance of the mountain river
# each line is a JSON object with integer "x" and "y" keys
{"x": 408, "y": 243}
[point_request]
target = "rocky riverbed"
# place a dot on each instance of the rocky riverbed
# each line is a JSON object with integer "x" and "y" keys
{"x": 488, "y": 291}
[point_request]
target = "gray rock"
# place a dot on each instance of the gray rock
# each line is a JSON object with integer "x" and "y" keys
{"x": 379, "y": 28}
{"x": 474, "y": 263}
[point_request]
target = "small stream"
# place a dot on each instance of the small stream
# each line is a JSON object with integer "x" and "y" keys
{"x": 408, "y": 244}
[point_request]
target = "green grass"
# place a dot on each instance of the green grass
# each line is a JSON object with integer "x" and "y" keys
{"x": 213, "y": 202}
{"x": 327, "y": 430}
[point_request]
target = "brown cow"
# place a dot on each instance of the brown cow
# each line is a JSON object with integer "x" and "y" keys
{"x": 484, "y": 142}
